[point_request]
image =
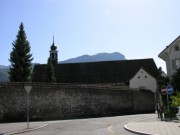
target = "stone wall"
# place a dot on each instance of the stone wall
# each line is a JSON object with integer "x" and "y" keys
{"x": 62, "y": 101}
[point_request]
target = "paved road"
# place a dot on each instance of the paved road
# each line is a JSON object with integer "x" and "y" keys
{"x": 93, "y": 126}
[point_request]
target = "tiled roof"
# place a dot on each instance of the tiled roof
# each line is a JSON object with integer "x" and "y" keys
{"x": 98, "y": 72}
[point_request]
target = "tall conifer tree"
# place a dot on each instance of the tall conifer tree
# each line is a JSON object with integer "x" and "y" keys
{"x": 20, "y": 58}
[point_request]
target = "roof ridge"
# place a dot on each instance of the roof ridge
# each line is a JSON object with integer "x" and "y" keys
{"x": 169, "y": 45}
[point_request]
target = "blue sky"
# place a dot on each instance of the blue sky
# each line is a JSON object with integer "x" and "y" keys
{"x": 136, "y": 28}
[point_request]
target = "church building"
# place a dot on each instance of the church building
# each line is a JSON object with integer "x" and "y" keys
{"x": 136, "y": 74}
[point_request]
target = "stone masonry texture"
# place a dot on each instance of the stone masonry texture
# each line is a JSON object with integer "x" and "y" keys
{"x": 64, "y": 101}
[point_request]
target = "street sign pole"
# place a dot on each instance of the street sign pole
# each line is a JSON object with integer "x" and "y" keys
{"x": 168, "y": 105}
{"x": 28, "y": 89}
{"x": 27, "y": 111}
{"x": 169, "y": 92}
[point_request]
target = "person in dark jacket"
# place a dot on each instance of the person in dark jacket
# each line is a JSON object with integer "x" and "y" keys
{"x": 158, "y": 108}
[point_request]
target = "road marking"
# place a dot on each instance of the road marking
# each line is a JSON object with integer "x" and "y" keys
{"x": 110, "y": 129}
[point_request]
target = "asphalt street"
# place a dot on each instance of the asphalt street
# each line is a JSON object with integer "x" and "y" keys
{"x": 92, "y": 126}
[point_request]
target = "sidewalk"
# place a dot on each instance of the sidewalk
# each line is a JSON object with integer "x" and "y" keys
{"x": 15, "y": 128}
{"x": 154, "y": 126}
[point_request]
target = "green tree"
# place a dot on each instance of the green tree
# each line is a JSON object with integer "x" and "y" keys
{"x": 175, "y": 100}
{"x": 20, "y": 58}
{"x": 162, "y": 80}
{"x": 49, "y": 72}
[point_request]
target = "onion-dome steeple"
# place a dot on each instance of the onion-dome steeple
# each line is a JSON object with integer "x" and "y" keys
{"x": 53, "y": 47}
{"x": 54, "y": 54}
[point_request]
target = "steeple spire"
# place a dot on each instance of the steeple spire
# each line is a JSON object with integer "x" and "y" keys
{"x": 53, "y": 53}
{"x": 53, "y": 47}
{"x": 53, "y": 39}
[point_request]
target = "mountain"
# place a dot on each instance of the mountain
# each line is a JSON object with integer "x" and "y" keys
{"x": 96, "y": 57}
{"x": 4, "y": 76}
{"x": 4, "y": 67}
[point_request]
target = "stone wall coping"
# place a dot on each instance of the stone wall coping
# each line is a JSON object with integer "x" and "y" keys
{"x": 112, "y": 86}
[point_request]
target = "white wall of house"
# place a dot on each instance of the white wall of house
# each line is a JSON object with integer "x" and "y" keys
{"x": 143, "y": 80}
{"x": 171, "y": 55}
{"x": 174, "y": 58}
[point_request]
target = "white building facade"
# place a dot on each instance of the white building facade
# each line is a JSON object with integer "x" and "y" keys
{"x": 171, "y": 55}
{"x": 143, "y": 80}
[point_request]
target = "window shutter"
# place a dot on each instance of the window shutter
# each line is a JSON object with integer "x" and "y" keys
{"x": 174, "y": 64}
{"x": 178, "y": 64}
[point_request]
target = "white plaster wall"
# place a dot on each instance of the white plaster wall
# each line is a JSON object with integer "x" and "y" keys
{"x": 172, "y": 56}
{"x": 168, "y": 67}
{"x": 143, "y": 79}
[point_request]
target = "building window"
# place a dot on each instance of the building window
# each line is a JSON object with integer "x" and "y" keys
{"x": 176, "y": 48}
{"x": 176, "y": 64}
{"x": 52, "y": 55}
{"x": 142, "y": 88}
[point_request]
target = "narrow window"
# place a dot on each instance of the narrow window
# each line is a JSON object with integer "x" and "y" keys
{"x": 176, "y": 48}
{"x": 52, "y": 55}
{"x": 176, "y": 64}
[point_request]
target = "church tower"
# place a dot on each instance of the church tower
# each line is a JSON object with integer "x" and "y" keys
{"x": 53, "y": 54}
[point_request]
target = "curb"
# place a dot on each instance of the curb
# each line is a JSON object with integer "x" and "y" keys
{"x": 137, "y": 132}
{"x": 24, "y": 130}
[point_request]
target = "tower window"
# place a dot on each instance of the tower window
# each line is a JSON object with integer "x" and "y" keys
{"x": 52, "y": 55}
